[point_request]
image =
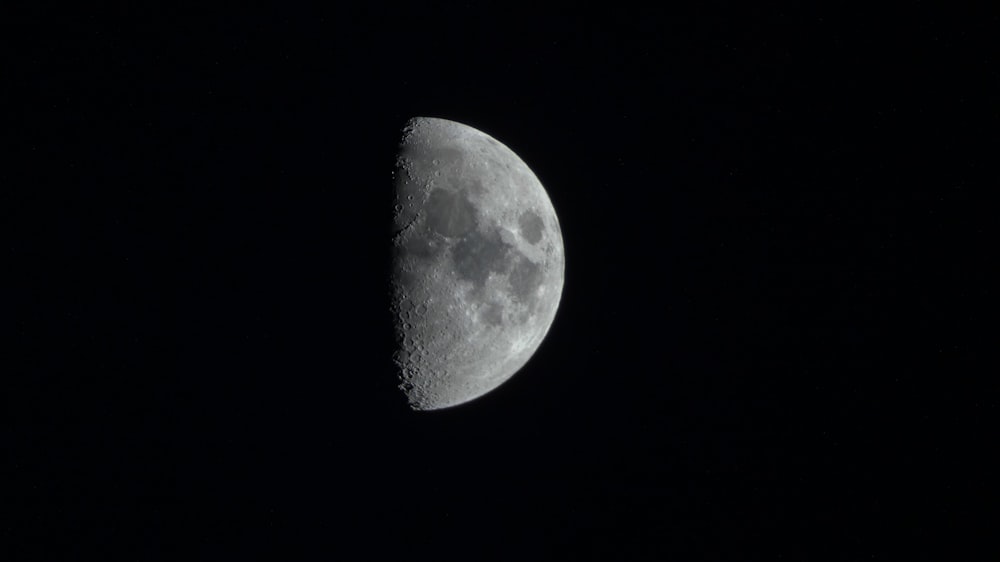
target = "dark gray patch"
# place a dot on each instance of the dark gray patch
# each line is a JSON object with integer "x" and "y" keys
{"x": 492, "y": 314}
{"x": 450, "y": 213}
{"x": 525, "y": 279}
{"x": 478, "y": 254}
{"x": 420, "y": 246}
{"x": 406, "y": 279}
{"x": 523, "y": 317}
{"x": 531, "y": 227}
{"x": 475, "y": 185}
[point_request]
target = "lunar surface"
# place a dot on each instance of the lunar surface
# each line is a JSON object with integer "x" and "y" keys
{"x": 477, "y": 263}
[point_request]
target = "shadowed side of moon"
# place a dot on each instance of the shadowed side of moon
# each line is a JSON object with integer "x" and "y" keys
{"x": 477, "y": 266}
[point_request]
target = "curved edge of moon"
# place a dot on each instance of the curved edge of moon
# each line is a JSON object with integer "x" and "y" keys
{"x": 478, "y": 263}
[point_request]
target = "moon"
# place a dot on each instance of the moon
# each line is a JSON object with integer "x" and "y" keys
{"x": 477, "y": 263}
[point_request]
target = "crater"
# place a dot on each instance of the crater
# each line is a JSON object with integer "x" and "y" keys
{"x": 423, "y": 160}
{"x": 531, "y": 227}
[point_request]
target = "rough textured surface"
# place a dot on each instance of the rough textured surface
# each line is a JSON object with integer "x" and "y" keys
{"x": 477, "y": 263}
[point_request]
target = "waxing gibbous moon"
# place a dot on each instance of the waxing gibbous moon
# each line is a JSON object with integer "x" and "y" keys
{"x": 478, "y": 263}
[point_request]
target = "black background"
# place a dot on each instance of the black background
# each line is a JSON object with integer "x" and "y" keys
{"x": 771, "y": 335}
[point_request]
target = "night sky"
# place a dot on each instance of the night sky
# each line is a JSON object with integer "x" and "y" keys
{"x": 771, "y": 338}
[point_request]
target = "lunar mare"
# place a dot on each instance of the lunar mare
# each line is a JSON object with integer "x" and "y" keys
{"x": 478, "y": 263}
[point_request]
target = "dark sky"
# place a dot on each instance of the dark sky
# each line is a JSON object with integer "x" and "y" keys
{"x": 771, "y": 335}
